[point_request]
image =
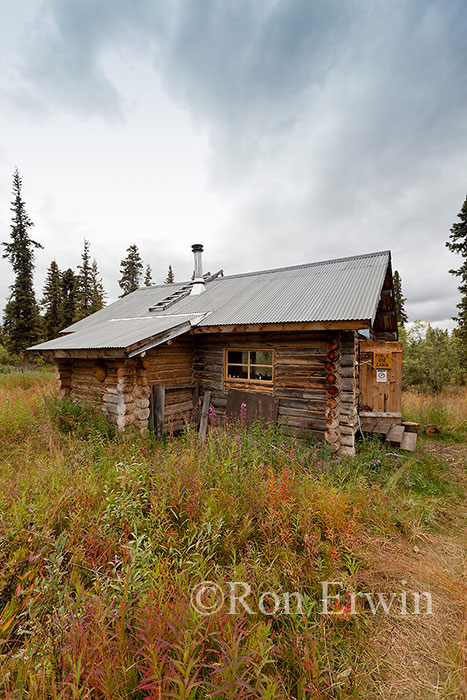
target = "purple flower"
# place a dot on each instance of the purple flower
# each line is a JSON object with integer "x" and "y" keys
{"x": 243, "y": 411}
{"x": 212, "y": 414}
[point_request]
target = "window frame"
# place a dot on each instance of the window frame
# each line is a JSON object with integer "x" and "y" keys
{"x": 268, "y": 382}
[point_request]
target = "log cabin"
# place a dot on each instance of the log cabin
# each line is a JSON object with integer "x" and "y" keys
{"x": 312, "y": 346}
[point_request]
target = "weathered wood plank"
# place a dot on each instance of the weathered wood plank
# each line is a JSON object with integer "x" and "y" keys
{"x": 274, "y": 327}
{"x": 382, "y": 428}
{"x": 395, "y": 434}
{"x": 157, "y": 409}
{"x": 203, "y": 424}
{"x": 409, "y": 441}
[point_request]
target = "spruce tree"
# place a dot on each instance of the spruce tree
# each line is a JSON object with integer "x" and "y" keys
{"x": 68, "y": 306}
{"x": 170, "y": 276}
{"x": 52, "y": 301}
{"x": 131, "y": 270}
{"x": 457, "y": 243}
{"x": 84, "y": 286}
{"x": 399, "y": 300}
{"x": 148, "y": 276}
{"x": 22, "y": 321}
{"x": 98, "y": 292}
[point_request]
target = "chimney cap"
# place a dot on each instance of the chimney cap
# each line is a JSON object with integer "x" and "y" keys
{"x": 197, "y": 248}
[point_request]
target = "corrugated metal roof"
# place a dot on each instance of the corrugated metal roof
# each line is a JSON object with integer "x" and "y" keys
{"x": 116, "y": 333}
{"x": 134, "y": 304}
{"x": 340, "y": 290}
{"x": 345, "y": 289}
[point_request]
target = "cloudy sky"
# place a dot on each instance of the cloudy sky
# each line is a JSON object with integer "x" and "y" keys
{"x": 275, "y": 132}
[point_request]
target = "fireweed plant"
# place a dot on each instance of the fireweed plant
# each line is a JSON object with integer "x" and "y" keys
{"x": 104, "y": 536}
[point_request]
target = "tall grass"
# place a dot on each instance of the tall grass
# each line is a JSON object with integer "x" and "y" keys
{"x": 448, "y": 410}
{"x": 104, "y": 539}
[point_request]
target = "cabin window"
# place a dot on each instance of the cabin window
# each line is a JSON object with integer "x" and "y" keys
{"x": 249, "y": 365}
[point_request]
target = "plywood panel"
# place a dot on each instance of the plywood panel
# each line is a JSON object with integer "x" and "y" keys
{"x": 257, "y": 405}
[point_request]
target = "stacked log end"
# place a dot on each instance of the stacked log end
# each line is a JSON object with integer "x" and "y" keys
{"x": 63, "y": 374}
{"x": 341, "y": 389}
{"x": 348, "y": 417}
{"x": 332, "y": 411}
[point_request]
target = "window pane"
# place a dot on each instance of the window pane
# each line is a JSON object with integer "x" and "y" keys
{"x": 261, "y": 357}
{"x": 262, "y": 374}
{"x": 237, "y": 372}
{"x": 237, "y": 357}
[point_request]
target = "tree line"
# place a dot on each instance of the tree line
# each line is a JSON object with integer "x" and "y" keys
{"x": 68, "y": 295}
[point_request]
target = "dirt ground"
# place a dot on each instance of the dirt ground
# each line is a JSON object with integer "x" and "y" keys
{"x": 424, "y": 657}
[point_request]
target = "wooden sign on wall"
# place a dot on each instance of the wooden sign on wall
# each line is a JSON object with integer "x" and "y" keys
{"x": 366, "y": 357}
{"x": 382, "y": 360}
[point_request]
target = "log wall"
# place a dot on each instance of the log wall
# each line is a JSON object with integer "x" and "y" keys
{"x": 314, "y": 379}
{"x": 171, "y": 366}
{"x": 108, "y": 384}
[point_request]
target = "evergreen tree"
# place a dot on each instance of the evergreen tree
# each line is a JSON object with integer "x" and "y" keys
{"x": 148, "y": 276}
{"x": 170, "y": 276}
{"x": 84, "y": 285}
{"x": 52, "y": 301}
{"x": 68, "y": 306}
{"x": 131, "y": 270}
{"x": 399, "y": 300}
{"x": 22, "y": 321}
{"x": 98, "y": 291}
{"x": 457, "y": 243}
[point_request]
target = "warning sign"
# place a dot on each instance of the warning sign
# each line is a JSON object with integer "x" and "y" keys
{"x": 381, "y": 375}
{"x": 382, "y": 360}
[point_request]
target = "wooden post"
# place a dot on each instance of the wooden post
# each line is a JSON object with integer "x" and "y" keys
{"x": 203, "y": 424}
{"x": 156, "y": 416}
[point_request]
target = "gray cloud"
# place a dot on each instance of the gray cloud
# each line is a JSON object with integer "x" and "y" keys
{"x": 334, "y": 127}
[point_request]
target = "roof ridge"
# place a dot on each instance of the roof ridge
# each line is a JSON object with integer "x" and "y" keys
{"x": 160, "y": 286}
{"x": 274, "y": 269}
{"x": 312, "y": 264}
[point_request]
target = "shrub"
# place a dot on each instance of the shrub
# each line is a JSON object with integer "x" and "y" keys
{"x": 432, "y": 359}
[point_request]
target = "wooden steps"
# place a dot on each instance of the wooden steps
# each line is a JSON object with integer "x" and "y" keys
{"x": 395, "y": 434}
{"x": 409, "y": 441}
{"x": 403, "y": 435}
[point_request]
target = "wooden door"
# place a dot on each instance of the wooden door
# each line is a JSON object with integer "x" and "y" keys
{"x": 380, "y": 379}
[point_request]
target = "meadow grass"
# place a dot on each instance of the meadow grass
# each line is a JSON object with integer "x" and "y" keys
{"x": 104, "y": 537}
{"x": 447, "y": 410}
